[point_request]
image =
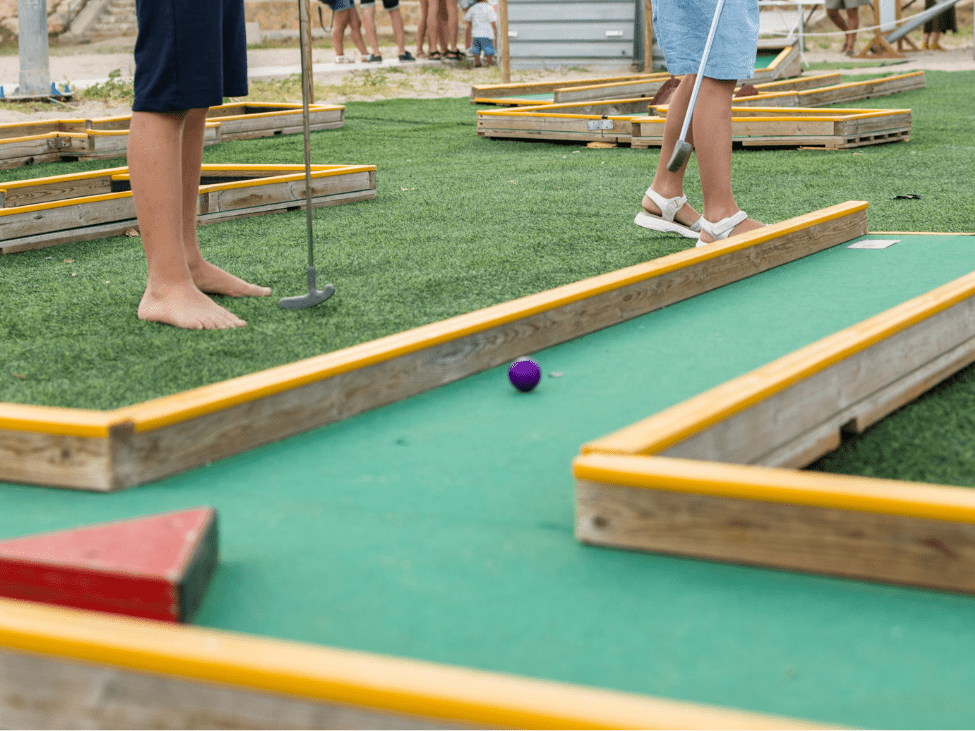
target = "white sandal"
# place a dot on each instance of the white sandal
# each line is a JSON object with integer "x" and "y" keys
{"x": 343, "y": 59}
{"x": 665, "y": 221}
{"x": 722, "y": 229}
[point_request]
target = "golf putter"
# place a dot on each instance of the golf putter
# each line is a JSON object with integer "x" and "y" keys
{"x": 315, "y": 296}
{"x": 682, "y": 150}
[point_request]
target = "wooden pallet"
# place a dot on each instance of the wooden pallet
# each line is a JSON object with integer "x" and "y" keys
{"x": 836, "y": 94}
{"x": 618, "y": 122}
{"x": 85, "y": 206}
{"x": 832, "y": 129}
{"x": 715, "y": 476}
{"x": 508, "y": 94}
{"x": 87, "y": 139}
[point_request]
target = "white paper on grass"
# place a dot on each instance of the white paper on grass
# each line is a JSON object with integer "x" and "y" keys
{"x": 873, "y": 244}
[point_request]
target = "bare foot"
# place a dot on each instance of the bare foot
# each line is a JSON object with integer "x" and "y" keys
{"x": 214, "y": 280}
{"x": 686, "y": 216}
{"x": 745, "y": 226}
{"x": 186, "y": 307}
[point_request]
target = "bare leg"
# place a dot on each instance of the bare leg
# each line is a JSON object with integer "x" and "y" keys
{"x": 488, "y": 61}
{"x": 421, "y": 27}
{"x": 666, "y": 183}
{"x": 369, "y": 25}
{"x": 155, "y": 165}
{"x": 339, "y": 21}
{"x": 451, "y": 25}
{"x": 433, "y": 24}
{"x": 355, "y": 31}
{"x": 396, "y": 19}
{"x": 442, "y": 26}
{"x": 837, "y": 19}
{"x": 206, "y": 276}
{"x": 853, "y": 22}
{"x": 712, "y": 130}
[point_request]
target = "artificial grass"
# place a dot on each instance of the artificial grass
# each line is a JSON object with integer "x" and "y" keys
{"x": 460, "y": 223}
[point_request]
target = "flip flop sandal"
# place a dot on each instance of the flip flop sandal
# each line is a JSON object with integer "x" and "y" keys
{"x": 722, "y": 229}
{"x": 665, "y": 222}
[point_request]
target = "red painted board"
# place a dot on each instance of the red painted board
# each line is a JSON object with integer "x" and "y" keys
{"x": 155, "y": 566}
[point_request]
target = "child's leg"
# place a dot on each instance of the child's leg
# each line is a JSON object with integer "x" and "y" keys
{"x": 488, "y": 60}
{"x": 156, "y": 169}
{"x": 666, "y": 183}
{"x": 711, "y": 123}
{"x": 206, "y": 276}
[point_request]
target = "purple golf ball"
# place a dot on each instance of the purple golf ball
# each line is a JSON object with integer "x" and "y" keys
{"x": 524, "y": 374}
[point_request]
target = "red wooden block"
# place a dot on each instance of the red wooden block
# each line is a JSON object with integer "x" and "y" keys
{"x": 156, "y": 566}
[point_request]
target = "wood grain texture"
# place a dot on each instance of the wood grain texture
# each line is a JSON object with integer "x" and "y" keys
{"x": 874, "y": 546}
{"x": 38, "y": 692}
{"x": 383, "y": 685}
{"x": 79, "y": 207}
{"x": 56, "y": 460}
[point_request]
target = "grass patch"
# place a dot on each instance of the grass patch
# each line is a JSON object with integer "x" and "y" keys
{"x": 114, "y": 90}
{"x": 460, "y": 223}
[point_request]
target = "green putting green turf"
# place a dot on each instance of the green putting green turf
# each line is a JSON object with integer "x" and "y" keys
{"x": 764, "y": 60}
{"x": 440, "y": 527}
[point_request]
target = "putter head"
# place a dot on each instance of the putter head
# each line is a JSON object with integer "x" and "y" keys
{"x": 314, "y": 297}
{"x": 682, "y": 151}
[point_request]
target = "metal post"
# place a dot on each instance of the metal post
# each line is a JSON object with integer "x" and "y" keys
{"x": 35, "y": 72}
{"x": 504, "y": 42}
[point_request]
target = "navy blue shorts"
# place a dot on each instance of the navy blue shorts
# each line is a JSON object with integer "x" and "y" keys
{"x": 189, "y": 54}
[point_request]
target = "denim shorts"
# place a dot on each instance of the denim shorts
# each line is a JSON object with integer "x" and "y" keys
{"x": 682, "y": 28}
{"x": 341, "y": 5}
{"x": 482, "y": 44}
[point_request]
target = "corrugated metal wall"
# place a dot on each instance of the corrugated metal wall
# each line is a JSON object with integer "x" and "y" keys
{"x": 545, "y": 32}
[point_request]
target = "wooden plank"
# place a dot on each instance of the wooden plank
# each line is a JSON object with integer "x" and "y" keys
{"x": 494, "y": 91}
{"x": 409, "y": 691}
{"x": 837, "y": 94}
{"x": 832, "y": 397}
{"x": 875, "y": 546}
{"x": 55, "y": 210}
{"x": 108, "y": 136}
{"x": 833, "y": 128}
{"x": 57, "y": 460}
{"x": 618, "y": 90}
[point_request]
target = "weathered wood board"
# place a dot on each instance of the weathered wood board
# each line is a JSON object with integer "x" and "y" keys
{"x": 832, "y": 129}
{"x": 621, "y": 122}
{"x": 109, "y": 450}
{"x": 84, "y": 206}
{"x": 786, "y": 64}
{"x": 834, "y": 94}
{"x": 87, "y": 139}
{"x": 717, "y": 475}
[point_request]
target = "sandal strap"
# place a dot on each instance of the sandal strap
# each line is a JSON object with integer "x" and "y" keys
{"x": 723, "y": 228}
{"x": 668, "y": 206}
